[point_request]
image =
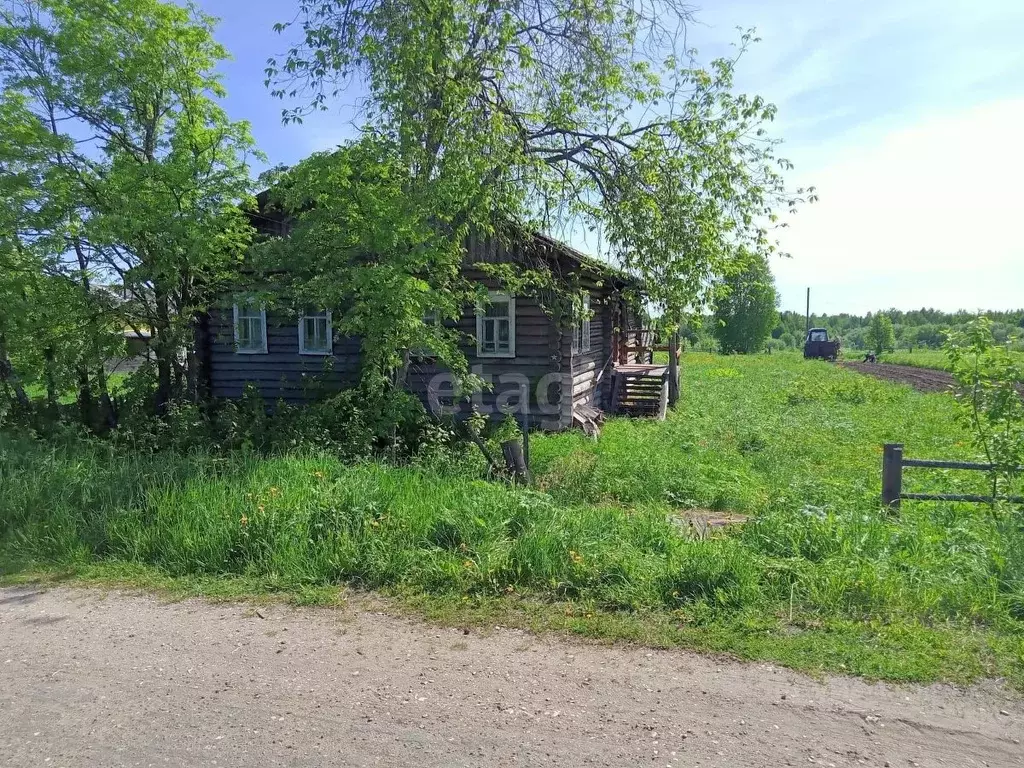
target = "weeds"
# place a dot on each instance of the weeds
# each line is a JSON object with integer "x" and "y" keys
{"x": 819, "y": 577}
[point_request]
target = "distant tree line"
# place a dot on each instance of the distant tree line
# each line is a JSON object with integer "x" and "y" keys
{"x": 914, "y": 329}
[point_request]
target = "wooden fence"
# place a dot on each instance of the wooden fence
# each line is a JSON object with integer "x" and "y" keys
{"x": 893, "y": 463}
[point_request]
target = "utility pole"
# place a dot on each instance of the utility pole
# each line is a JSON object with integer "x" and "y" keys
{"x": 807, "y": 325}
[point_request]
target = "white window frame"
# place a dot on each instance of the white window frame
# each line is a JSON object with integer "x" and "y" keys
{"x": 302, "y": 335}
{"x": 494, "y": 296}
{"x": 581, "y": 332}
{"x": 239, "y": 350}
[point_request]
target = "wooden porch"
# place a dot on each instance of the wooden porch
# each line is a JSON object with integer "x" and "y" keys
{"x": 641, "y": 387}
{"x": 636, "y": 386}
{"x": 636, "y": 345}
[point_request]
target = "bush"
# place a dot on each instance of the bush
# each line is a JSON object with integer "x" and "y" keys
{"x": 350, "y": 424}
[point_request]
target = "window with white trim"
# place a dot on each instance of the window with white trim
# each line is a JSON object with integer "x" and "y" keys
{"x": 496, "y": 326}
{"x": 250, "y": 329}
{"x": 581, "y": 333}
{"x": 315, "y": 333}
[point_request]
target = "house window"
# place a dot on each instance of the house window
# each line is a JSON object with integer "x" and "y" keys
{"x": 250, "y": 330}
{"x": 315, "y": 334}
{"x": 496, "y": 327}
{"x": 581, "y": 333}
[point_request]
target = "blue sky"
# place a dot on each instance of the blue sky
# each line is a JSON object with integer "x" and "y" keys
{"x": 907, "y": 115}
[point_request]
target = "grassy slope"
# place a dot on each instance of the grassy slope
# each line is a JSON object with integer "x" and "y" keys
{"x": 819, "y": 579}
{"x": 750, "y": 431}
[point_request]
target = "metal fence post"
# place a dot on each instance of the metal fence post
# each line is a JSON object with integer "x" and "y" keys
{"x": 892, "y": 475}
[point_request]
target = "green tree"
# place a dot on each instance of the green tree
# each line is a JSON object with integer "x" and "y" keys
{"x": 137, "y": 171}
{"x": 547, "y": 115}
{"x": 746, "y": 308}
{"x": 988, "y": 380}
{"x": 881, "y": 335}
{"x": 332, "y": 256}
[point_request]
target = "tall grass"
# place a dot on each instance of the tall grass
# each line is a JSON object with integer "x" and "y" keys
{"x": 755, "y": 432}
{"x": 311, "y": 520}
{"x": 818, "y": 575}
{"x": 921, "y": 358}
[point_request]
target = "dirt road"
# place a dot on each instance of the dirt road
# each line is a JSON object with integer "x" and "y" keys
{"x": 116, "y": 680}
{"x": 923, "y": 379}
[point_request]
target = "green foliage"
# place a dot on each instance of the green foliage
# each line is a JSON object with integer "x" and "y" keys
{"x": 935, "y": 359}
{"x": 352, "y": 425}
{"x": 989, "y": 385}
{"x": 745, "y": 310}
{"x": 852, "y": 390}
{"x": 123, "y": 171}
{"x": 367, "y": 245}
{"x": 915, "y": 330}
{"x": 551, "y": 114}
{"x": 880, "y": 335}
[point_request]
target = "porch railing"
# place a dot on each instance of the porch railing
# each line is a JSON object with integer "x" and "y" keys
{"x": 641, "y": 342}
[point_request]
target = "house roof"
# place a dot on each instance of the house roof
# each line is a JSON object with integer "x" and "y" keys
{"x": 586, "y": 261}
{"x": 583, "y": 260}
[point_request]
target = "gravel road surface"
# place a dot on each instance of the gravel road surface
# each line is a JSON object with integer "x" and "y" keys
{"x": 94, "y": 679}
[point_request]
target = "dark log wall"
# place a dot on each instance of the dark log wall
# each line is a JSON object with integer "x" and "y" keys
{"x": 281, "y": 373}
{"x": 590, "y": 369}
{"x": 542, "y": 364}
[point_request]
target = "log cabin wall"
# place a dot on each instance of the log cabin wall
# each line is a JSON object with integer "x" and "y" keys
{"x": 545, "y": 371}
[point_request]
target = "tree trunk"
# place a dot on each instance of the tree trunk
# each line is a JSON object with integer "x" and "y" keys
{"x": 86, "y": 405}
{"x": 673, "y": 369}
{"x": 199, "y": 359}
{"x": 51, "y": 380}
{"x": 164, "y": 351}
{"x": 7, "y": 376}
{"x": 401, "y": 376}
{"x": 107, "y": 412}
{"x": 192, "y": 376}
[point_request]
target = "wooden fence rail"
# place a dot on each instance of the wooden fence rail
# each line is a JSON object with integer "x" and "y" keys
{"x": 893, "y": 464}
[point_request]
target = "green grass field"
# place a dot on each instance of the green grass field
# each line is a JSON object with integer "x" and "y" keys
{"x": 923, "y": 358}
{"x": 919, "y": 358}
{"x": 115, "y": 381}
{"x": 818, "y": 578}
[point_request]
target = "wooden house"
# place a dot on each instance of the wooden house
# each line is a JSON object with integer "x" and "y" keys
{"x": 549, "y": 371}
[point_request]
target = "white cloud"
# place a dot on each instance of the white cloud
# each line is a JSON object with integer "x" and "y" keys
{"x": 928, "y": 215}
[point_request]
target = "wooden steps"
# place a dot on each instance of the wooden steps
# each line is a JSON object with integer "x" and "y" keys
{"x": 640, "y": 390}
